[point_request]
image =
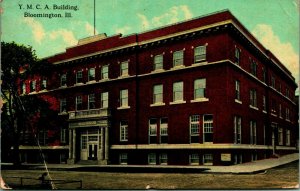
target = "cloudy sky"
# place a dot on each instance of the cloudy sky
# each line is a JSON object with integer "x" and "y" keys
{"x": 275, "y": 23}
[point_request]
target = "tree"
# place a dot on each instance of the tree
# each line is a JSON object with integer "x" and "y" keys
{"x": 14, "y": 116}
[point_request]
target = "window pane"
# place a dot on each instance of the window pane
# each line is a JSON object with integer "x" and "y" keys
{"x": 200, "y": 53}
{"x": 158, "y": 62}
{"x": 178, "y": 91}
{"x": 178, "y": 58}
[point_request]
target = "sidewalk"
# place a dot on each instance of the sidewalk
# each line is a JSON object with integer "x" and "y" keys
{"x": 245, "y": 168}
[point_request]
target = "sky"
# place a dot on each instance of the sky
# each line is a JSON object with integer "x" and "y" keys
{"x": 275, "y": 23}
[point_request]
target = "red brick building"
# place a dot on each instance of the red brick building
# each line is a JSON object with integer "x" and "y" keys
{"x": 199, "y": 92}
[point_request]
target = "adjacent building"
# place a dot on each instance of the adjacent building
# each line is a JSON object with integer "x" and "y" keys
{"x": 199, "y": 92}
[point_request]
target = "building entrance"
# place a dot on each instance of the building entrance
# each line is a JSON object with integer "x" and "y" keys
{"x": 90, "y": 144}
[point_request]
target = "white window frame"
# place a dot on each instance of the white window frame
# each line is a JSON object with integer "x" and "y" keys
{"x": 44, "y": 84}
{"x": 124, "y": 68}
{"x": 158, "y": 62}
{"x": 123, "y": 158}
{"x": 152, "y": 159}
{"x": 104, "y": 100}
{"x": 253, "y": 98}
{"x": 152, "y": 131}
{"x": 178, "y": 90}
{"x": 238, "y": 90}
{"x": 123, "y": 131}
{"x": 208, "y": 159}
{"x": 200, "y": 54}
{"x": 63, "y": 133}
{"x": 200, "y": 85}
{"x": 288, "y": 137}
{"x": 178, "y": 58}
{"x": 124, "y": 98}
{"x": 105, "y": 72}
{"x": 194, "y": 126}
{"x": 63, "y": 80}
{"x": 33, "y": 86}
{"x": 237, "y": 130}
{"x": 194, "y": 159}
{"x": 208, "y": 127}
{"x": 264, "y": 103}
{"x": 62, "y": 105}
{"x": 287, "y": 114}
{"x": 163, "y": 128}
{"x": 78, "y": 101}
{"x": 91, "y": 74}
{"x": 91, "y": 99}
{"x": 79, "y": 76}
{"x": 237, "y": 55}
{"x": 163, "y": 159}
{"x": 23, "y": 88}
{"x": 158, "y": 97}
{"x": 253, "y": 133}
{"x": 280, "y": 136}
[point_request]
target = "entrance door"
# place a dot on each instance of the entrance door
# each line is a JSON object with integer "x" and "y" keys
{"x": 93, "y": 149}
{"x": 90, "y": 145}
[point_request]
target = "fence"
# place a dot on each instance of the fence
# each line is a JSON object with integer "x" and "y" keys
{"x": 34, "y": 183}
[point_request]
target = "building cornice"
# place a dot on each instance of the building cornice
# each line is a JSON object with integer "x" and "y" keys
{"x": 199, "y": 146}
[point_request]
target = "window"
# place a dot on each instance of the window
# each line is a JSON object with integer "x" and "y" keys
{"x": 253, "y": 101}
{"x": 83, "y": 142}
{"x": 163, "y": 158}
{"x": 264, "y": 103}
{"x": 273, "y": 81}
{"x": 43, "y": 84}
{"x": 164, "y": 130}
{"x": 91, "y": 101}
{"x": 288, "y": 138}
{"x": 264, "y": 75}
{"x": 207, "y": 159}
{"x": 237, "y": 53}
{"x": 253, "y": 67}
{"x": 104, "y": 72}
{"x": 123, "y": 131}
{"x": 43, "y": 136}
{"x": 152, "y": 131}
{"x": 279, "y": 88}
{"x": 63, "y": 135}
{"x": 237, "y": 130}
{"x": 199, "y": 88}
{"x": 158, "y": 93}
{"x": 178, "y": 58}
{"x": 79, "y": 77}
{"x": 280, "y": 136}
{"x": 23, "y": 88}
{"x": 151, "y": 158}
{"x": 207, "y": 128}
{"x": 123, "y": 158}
{"x": 237, "y": 90}
{"x": 124, "y": 69}
{"x": 194, "y": 128}
{"x": 158, "y": 62}
{"x": 280, "y": 113}
{"x": 199, "y": 54}
{"x": 178, "y": 91}
{"x": 32, "y": 86}
{"x": 253, "y": 132}
{"x": 124, "y": 98}
{"x": 287, "y": 114}
{"x": 194, "y": 158}
{"x": 274, "y": 106}
{"x": 78, "y": 103}
{"x": 287, "y": 93}
{"x": 63, "y": 80}
{"x": 63, "y": 105}
{"x": 238, "y": 158}
{"x": 104, "y": 100}
{"x": 91, "y": 74}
